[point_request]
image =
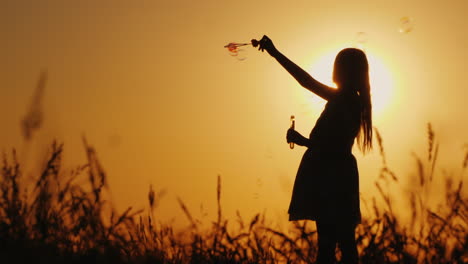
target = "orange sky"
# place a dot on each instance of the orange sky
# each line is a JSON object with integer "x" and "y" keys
{"x": 152, "y": 88}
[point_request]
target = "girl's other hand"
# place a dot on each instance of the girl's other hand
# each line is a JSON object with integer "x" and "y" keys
{"x": 292, "y": 136}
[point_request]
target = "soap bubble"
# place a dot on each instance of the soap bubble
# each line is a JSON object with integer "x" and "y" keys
{"x": 406, "y": 25}
{"x": 269, "y": 153}
{"x": 360, "y": 39}
{"x": 237, "y": 52}
{"x": 256, "y": 195}
{"x": 259, "y": 182}
{"x": 241, "y": 55}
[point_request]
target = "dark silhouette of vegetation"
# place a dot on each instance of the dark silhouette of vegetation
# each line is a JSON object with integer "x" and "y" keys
{"x": 57, "y": 220}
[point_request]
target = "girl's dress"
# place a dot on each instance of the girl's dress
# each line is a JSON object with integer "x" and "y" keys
{"x": 327, "y": 181}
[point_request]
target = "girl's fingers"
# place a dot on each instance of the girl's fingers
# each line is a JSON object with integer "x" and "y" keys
{"x": 262, "y": 44}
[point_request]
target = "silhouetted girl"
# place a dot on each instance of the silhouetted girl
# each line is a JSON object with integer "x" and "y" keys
{"x": 326, "y": 188}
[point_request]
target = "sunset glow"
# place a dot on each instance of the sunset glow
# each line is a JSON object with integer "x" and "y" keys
{"x": 154, "y": 89}
{"x": 381, "y": 81}
{"x": 161, "y": 120}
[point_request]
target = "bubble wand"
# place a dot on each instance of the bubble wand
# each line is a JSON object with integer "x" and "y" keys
{"x": 293, "y": 124}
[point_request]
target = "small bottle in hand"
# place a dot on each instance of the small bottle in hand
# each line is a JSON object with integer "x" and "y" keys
{"x": 293, "y": 123}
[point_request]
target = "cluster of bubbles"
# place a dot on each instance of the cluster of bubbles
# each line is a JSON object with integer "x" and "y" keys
{"x": 237, "y": 52}
{"x": 406, "y": 25}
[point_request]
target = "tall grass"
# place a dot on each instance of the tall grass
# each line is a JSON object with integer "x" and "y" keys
{"x": 57, "y": 220}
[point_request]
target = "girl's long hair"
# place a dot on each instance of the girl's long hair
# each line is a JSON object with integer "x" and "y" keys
{"x": 351, "y": 71}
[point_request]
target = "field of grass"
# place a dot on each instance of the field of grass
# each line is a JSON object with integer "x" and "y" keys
{"x": 56, "y": 220}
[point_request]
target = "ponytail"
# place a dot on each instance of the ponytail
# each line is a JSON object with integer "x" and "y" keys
{"x": 364, "y": 137}
{"x": 351, "y": 69}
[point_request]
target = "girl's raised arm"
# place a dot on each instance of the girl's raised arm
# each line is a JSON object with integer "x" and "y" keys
{"x": 304, "y": 78}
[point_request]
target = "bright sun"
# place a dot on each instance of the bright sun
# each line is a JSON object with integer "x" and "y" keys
{"x": 380, "y": 80}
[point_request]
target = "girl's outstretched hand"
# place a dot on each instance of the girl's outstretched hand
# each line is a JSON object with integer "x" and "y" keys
{"x": 265, "y": 44}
